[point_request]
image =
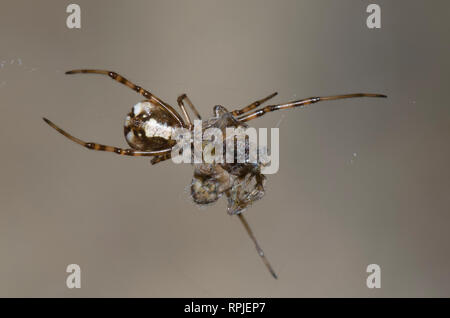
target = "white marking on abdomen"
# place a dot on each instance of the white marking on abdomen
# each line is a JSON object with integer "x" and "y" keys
{"x": 127, "y": 121}
{"x": 154, "y": 129}
{"x": 130, "y": 136}
{"x": 140, "y": 107}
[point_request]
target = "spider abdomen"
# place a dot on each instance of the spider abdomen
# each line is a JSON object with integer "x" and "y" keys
{"x": 149, "y": 127}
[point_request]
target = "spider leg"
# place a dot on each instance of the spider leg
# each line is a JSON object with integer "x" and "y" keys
{"x": 183, "y": 108}
{"x": 252, "y": 105}
{"x": 258, "y": 248}
{"x": 119, "y": 78}
{"x": 161, "y": 158}
{"x": 301, "y": 102}
{"x": 99, "y": 147}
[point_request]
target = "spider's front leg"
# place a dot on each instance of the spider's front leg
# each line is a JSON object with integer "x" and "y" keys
{"x": 253, "y": 105}
{"x": 301, "y": 103}
{"x": 119, "y": 78}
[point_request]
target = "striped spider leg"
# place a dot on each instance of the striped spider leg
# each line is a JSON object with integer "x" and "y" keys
{"x": 253, "y": 105}
{"x": 119, "y": 78}
{"x": 299, "y": 103}
{"x": 100, "y": 147}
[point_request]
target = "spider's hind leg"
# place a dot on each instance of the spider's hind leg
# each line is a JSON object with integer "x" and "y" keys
{"x": 100, "y": 147}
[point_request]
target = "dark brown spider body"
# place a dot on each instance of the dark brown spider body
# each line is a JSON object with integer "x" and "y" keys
{"x": 150, "y": 128}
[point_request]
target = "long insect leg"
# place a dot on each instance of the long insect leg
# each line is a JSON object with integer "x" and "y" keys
{"x": 301, "y": 102}
{"x": 180, "y": 100}
{"x": 119, "y": 78}
{"x": 100, "y": 147}
{"x": 258, "y": 248}
{"x": 253, "y": 105}
{"x": 158, "y": 159}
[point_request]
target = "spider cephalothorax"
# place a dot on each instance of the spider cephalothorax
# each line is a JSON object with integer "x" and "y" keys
{"x": 150, "y": 131}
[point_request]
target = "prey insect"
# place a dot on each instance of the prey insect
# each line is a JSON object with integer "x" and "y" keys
{"x": 150, "y": 128}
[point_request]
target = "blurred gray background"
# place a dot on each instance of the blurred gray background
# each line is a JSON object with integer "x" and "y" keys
{"x": 361, "y": 181}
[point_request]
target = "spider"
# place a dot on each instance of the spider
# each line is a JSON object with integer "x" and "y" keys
{"x": 149, "y": 131}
